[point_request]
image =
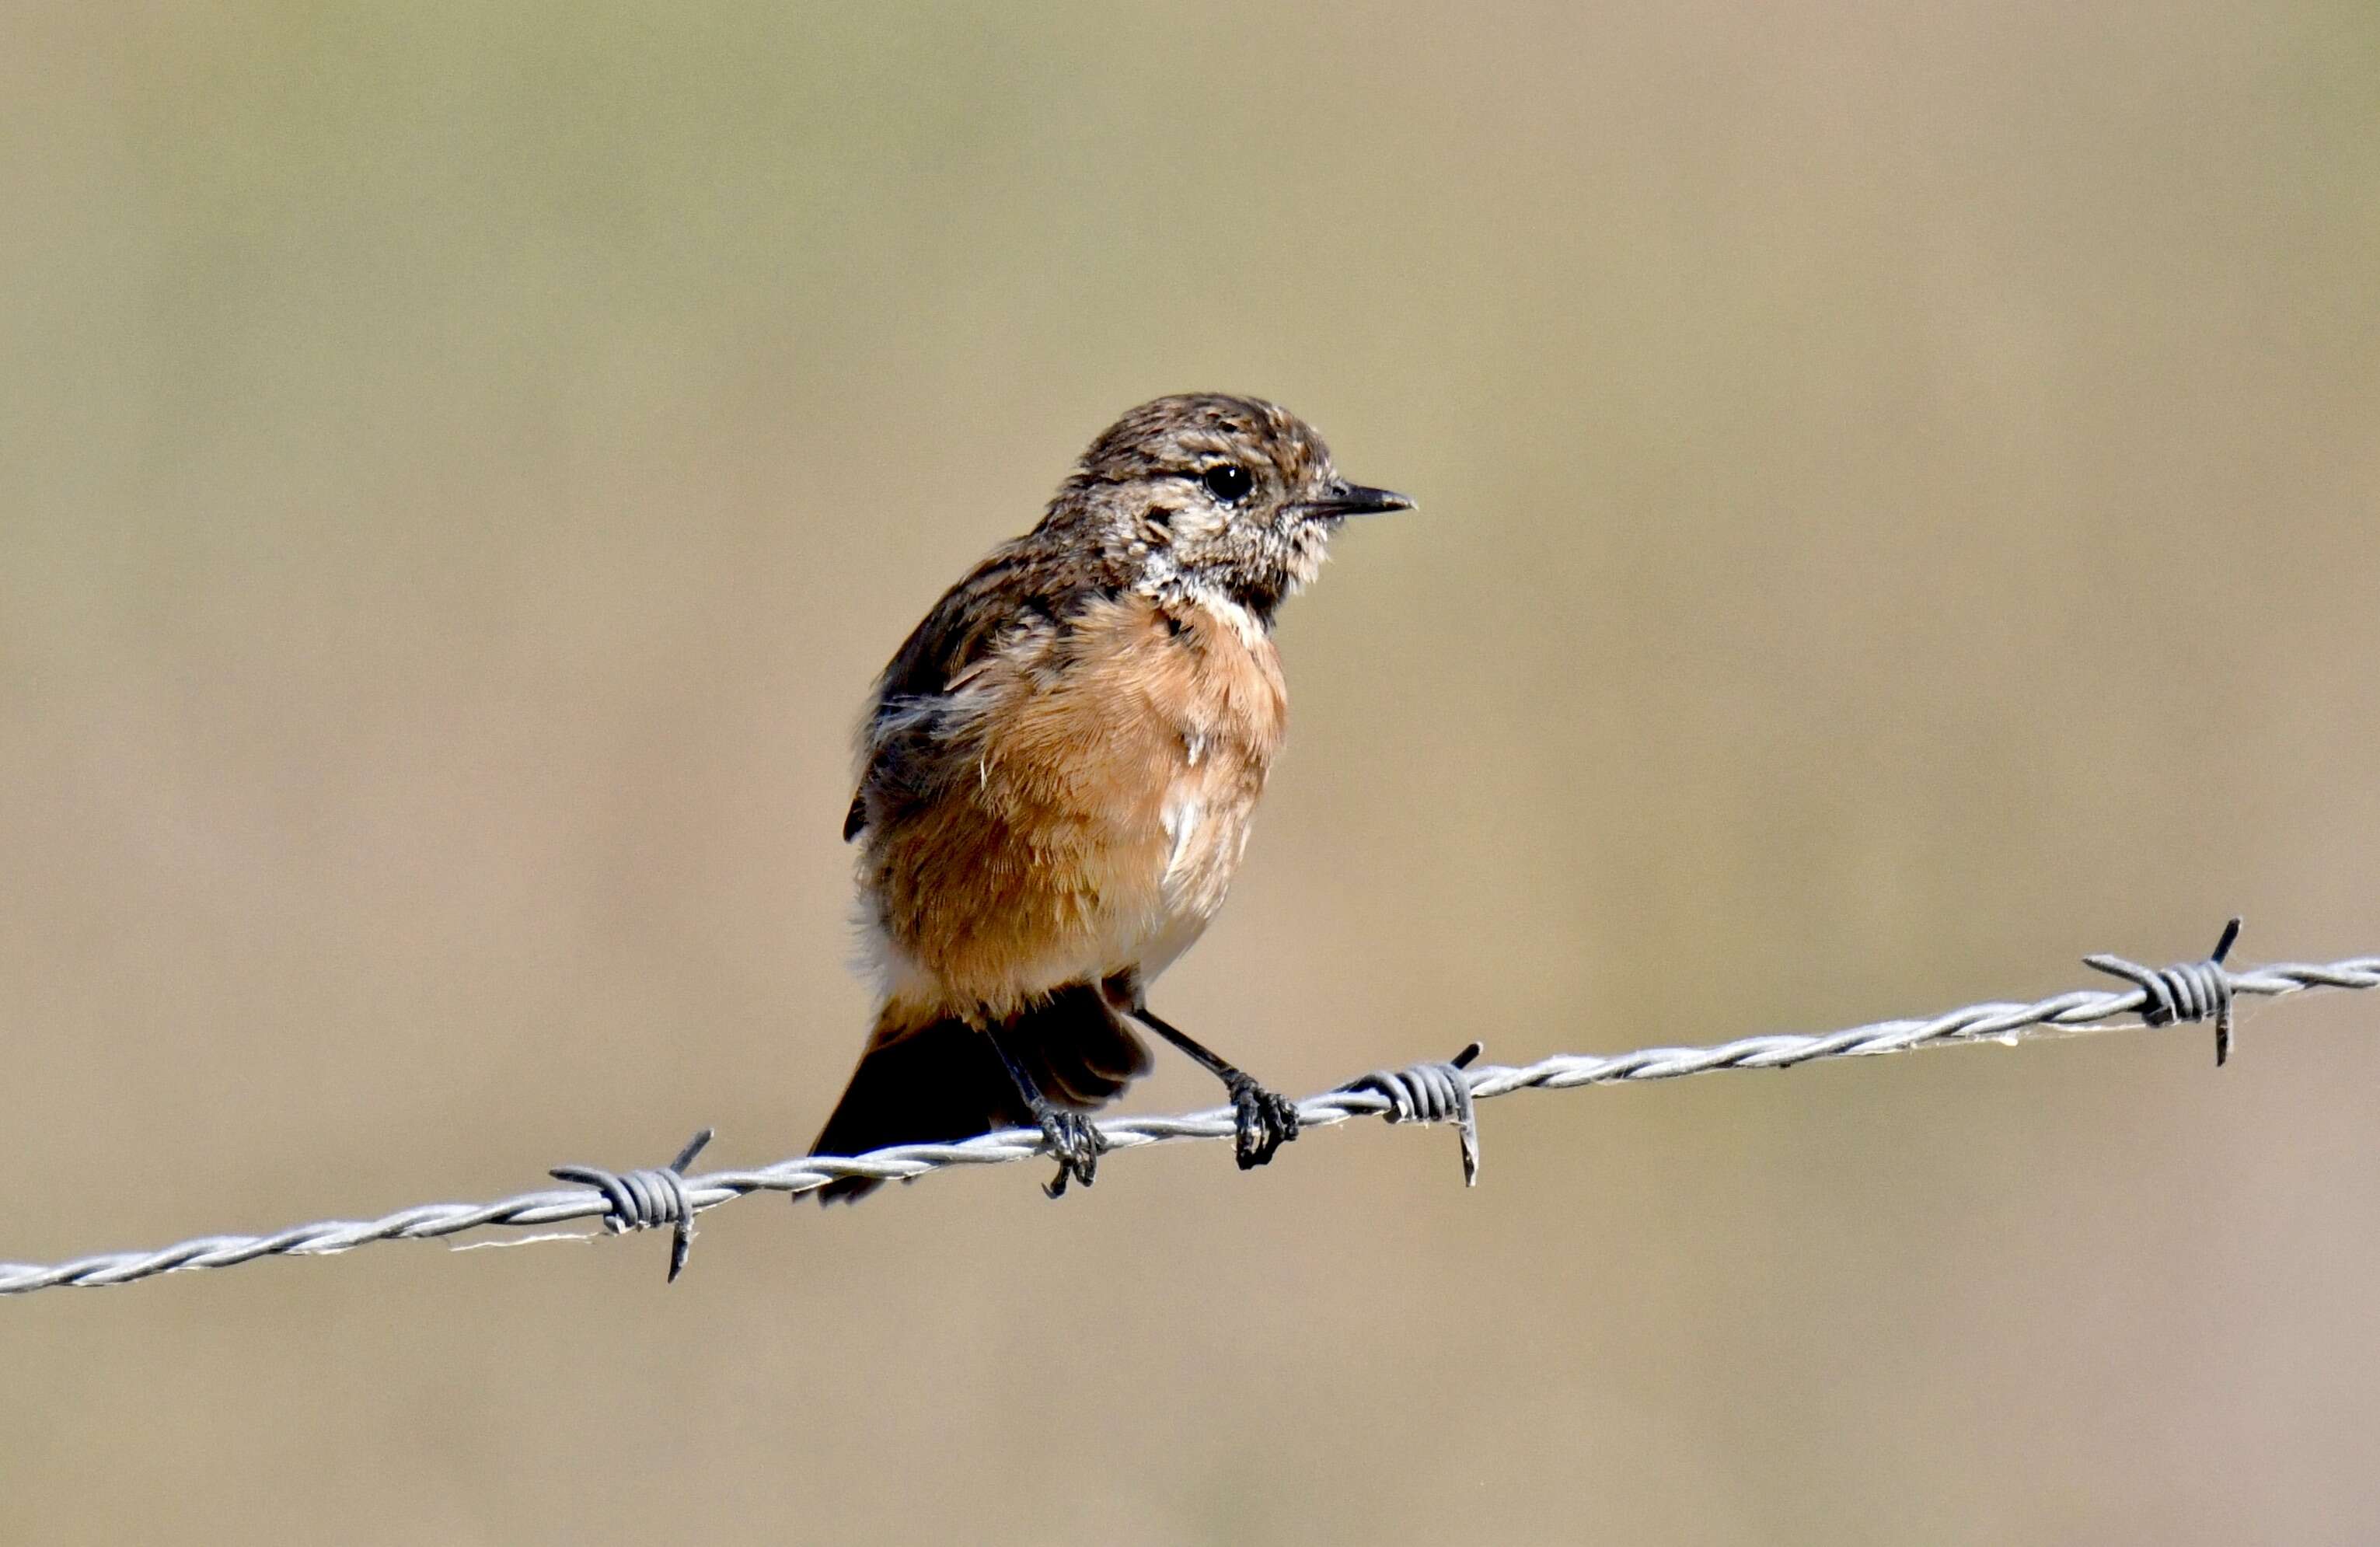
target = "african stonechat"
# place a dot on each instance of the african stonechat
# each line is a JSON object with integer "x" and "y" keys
{"x": 1057, "y": 775}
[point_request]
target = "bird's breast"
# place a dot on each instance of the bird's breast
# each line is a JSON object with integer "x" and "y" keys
{"x": 1105, "y": 809}
{"x": 1217, "y": 687}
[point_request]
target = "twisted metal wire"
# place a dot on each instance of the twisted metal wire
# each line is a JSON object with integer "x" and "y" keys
{"x": 1432, "y": 1093}
{"x": 646, "y": 1200}
{"x": 2070, "y": 1012}
{"x": 2186, "y": 991}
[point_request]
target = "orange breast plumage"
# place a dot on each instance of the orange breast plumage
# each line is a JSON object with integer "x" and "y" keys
{"x": 1087, "y": 806}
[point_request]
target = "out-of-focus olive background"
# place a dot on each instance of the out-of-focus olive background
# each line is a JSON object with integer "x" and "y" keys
{"x": 1898, "y": 488}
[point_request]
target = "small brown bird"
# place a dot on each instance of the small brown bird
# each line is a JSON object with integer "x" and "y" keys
{"x": 1057, "y": 776}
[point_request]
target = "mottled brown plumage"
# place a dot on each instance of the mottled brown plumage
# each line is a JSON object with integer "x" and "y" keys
{"x": 1058, "y": 773}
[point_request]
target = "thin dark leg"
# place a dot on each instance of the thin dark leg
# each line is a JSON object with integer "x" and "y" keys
{"x": 1266, "y": 1121}
{"x": 1071, "y": 1139}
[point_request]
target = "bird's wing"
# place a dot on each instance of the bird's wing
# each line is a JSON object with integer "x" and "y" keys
{"x": 917, "y": 736}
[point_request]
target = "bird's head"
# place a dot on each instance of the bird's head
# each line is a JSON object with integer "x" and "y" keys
{"x": 1205, "y": 496}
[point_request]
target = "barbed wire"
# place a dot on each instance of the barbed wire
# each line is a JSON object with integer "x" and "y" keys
{"x": 1427, "y": 1093}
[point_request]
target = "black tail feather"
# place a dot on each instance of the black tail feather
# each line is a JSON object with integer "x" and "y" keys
{"x": 945, "y": 1081}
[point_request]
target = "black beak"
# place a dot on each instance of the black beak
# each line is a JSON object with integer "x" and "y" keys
{"x": 1353, "y": 499}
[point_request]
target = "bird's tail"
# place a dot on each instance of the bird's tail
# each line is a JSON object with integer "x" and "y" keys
{"x": 930, "y": 1081}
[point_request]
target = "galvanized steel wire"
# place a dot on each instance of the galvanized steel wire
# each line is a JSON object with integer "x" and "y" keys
{"x": 664, "y": 1198}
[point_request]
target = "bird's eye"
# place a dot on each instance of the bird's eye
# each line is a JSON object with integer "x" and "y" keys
{"x": 1228, "y": 481}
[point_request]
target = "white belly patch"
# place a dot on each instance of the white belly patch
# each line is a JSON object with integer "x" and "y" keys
{"x": 1181, "y": 816}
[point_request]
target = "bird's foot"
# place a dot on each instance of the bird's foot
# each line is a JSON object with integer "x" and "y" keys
{"x": 1077, "y": 1147}
{"x": 1265, "y": 1122}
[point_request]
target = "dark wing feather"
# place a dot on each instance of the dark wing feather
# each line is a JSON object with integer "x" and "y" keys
{"x": 1019, "y": 596}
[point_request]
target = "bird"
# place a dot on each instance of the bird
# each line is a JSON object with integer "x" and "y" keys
{"x": 1057, "y": 773}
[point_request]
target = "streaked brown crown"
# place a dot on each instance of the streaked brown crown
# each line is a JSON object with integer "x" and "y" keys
{"x": 1188, "y": 431}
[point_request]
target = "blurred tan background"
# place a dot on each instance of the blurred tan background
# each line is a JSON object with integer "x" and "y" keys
{"x": 1899, "y": 498}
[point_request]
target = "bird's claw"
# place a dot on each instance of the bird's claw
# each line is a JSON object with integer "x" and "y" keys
{"x": 1077, "y": 1145}
{"x": 1265, "y": 1121}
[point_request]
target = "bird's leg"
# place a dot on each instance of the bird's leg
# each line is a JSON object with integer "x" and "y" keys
{"x": 1073, "y": 1140}
{"x": 1266, "y": 1121}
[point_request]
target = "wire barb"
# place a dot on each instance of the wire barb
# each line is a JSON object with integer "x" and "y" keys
{"x": 2186, "y": 991}
{"x": 646, "y": 1200}
{"x": 2075, "y": 1010}
{"x": 1432, "y": 1093}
